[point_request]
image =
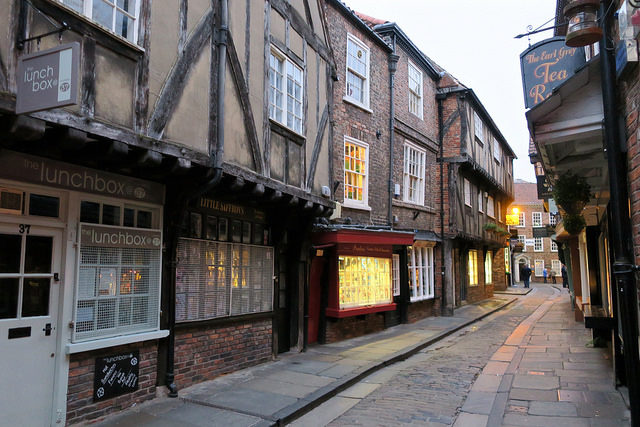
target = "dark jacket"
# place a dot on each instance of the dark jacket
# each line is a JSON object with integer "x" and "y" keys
{"x": 526, "y": 273}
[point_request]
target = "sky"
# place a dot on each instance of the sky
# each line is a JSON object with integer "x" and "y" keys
{"x": 474, "y": 41}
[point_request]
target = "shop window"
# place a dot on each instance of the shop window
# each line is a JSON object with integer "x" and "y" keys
{"x": 110, "y": 214}
{"x": 285, "y": 91}
{"x": 396, "y": 274}
{"x": 356, "y": 164}
{"x": 218, "y": 279}
{"x": 539, "y": 267}
{"x": 357, "y": 81}
{"x": 414, "y": 171}
{"x": 363, "y": 281}
{"x": 421, "y": 280}
{"x": 415, "y": 90}
{"x": 488, "y": 268}
{"x": 120, "y": 17}
{"x": 118, "y": 282}
{"x": 538, "y": 245}
{"x": 472, "y": 267}
{"x": 536, "y": 219}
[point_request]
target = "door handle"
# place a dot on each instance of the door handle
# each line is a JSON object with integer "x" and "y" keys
{"x": 47, "y": 329}
{"x": 56, "y": 277}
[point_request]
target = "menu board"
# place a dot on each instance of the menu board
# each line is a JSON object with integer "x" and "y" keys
{"x": 116, "y": 375}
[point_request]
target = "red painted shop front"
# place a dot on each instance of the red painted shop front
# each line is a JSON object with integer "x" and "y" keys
{"x": 351, "y": 275}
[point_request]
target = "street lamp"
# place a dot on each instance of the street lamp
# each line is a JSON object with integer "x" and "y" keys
{"x": 582, "y": 17}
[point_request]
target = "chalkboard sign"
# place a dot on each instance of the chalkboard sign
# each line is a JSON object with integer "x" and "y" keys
{"x": 116, "y": 375}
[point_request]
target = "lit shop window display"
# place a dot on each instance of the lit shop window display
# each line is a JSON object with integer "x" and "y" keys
{"x": 364, "y": 281}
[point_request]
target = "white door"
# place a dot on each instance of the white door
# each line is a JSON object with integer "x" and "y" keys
{"x": 29, "y": 292}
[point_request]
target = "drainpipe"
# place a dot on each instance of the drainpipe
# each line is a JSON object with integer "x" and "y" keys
{"x": 440, "y": 98}
{"x": 393, "y": 66}
{"x": 623, "y": 266}
{"x": 218, "y": 155}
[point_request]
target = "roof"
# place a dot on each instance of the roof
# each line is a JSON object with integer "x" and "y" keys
{"x": 352, "y": 16}
{"x": 525, "y": 192}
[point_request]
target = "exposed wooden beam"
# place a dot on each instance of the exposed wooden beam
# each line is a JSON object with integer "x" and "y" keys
{"x": 317, "y": 146}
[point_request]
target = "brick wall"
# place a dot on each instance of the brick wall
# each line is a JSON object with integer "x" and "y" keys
{"x": 80, "y": 404}
{"x": 421, "y": 309}
{"x": 499, "y": 275}
{"x": 351, "y": 327}
{"x": 204, "y": 353}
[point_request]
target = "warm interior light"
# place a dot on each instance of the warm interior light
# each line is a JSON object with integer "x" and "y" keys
{"x": 516, "y": 211}
{"x": 582, "y": 27}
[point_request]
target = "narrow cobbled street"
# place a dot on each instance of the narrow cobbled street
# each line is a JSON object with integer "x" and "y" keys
{"x": 524, "y": 365}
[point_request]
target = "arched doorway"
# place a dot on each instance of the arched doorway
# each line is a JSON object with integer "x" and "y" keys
{"x": 520, "y": 262}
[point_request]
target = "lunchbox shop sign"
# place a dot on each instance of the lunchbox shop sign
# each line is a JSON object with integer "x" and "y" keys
{"x": 119, "y": 237}
{"x": 48, "y": 79}
{"x": 115, "y": 375}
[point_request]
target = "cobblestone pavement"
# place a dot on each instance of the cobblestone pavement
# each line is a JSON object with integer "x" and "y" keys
{"x": 495, "y": 372}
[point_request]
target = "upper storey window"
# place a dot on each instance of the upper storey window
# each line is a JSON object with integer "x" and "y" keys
{"x": 285, "y": 92}
{"x": 414, "y": 171}
{"x": 356, "y": 165}
{"x": 357, "y": 72}
{"x": 415, "y": 90}
{"x": 118, "y": 16}
{"x": 478, "y": 127}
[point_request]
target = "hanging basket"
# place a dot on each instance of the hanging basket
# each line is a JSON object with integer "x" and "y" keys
{"x": 573, "y": 223}
{"x": 571, "y": 193}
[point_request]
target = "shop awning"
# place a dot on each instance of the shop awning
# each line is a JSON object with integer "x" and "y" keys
{"x": 371, "y": 237}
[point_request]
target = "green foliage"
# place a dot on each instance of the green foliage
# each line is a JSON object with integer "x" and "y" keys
{"x": 490, "y": 226}
{"x": 571, "y": 192}
{"x": 573, "y": 223}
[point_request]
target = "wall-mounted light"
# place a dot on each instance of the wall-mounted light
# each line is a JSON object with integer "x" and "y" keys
{"x": 582, "y": 27}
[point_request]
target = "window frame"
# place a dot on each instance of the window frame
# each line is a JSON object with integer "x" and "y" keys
{"x": 286, "y": 61}
{"x": 421, "y": 260}
{"x": 537, "y": 263}
{"x": 467, "y": 191}
{"x": 354, "y": 203}
{"x": 556, "y": 263}
{"x": 522, "y": 220}
{"x": 488, "y": 268}
{"x": 553, "y": 246}
{"x": 552, "y": 218}
{"x": 366, "y": 78}
{"x": 522, "y": 238}
{"x": 538, "y": 245}
{"x": 406, "y": 175}
{"x": 491, "y": 209}
{"x": 395, "y": 275}
{"x": 480, "y": 202}
{"x": 536, "y": 219}
{"x": 478, "y": 127}
{"x": 419, "y": 102}
{"x": 87, "y": 12}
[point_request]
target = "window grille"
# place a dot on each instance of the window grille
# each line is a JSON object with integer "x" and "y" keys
{"x": 536, "y": 219}
{"x": 396, "y": 274}
{"x": 219, "y": 279}
{"x": 421, "y": 280}
{"x": 118, "y": 291}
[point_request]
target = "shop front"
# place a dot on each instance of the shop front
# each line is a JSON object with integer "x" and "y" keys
{"x": 355, "y": 276}
{"x": 80, "y": 269}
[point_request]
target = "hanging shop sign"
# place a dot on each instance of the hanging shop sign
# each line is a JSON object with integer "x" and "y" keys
{"x": 513, "y": 219}
{"x": 106, "y": 236}
{"x": 545, "y": 189}
{"x": 116, "y": 375}
{"x": 546, "y": 65}
{"x": 37, "y": 170}
{"x": 48, "y": 79}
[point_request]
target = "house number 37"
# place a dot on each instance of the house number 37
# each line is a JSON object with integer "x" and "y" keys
{"x": 24, "y": 228}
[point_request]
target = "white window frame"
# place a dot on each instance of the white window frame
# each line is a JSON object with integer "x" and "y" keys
{"x": 421, "y": 269}
{"x": 414, "y": 173}
{"x": 538, "y": 267}
{"x": 552, "y": 218}
{"x": 297, "y": 121}
{"x": 491, "y": 213}
{"x": 536, "y": 219}
{"x": 499, "y": 209}
{"x": 522, "y": 222}
{"x": 365, "y": 78}
{"x": 87, "y": 10}
{"x": 478, "y": 127}
{"x": 538, "y": 246}
{"x": 480, "y": 202}
{"x": 467, "y": 192}
{"x": 414, "y": 76}
{"x": 350, "y": 202}
{"x": 497, "y": 151}
{"x": 554, "y": 246}
{"x": 556, "y": 267}
{"x": 395, "y": 276}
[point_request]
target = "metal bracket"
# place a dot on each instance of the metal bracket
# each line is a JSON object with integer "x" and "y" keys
{"x": 58, "y": 31}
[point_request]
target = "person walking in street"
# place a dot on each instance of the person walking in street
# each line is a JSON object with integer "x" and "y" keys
{"x": 526, "y": 274}
{"x": 544, "y": 274}
{"x": 565, "y": 276}
{"x": 553, "y": 277}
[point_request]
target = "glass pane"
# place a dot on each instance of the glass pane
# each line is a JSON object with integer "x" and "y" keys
{"x": 35, "y": 297}
{"x": 236, "y": 231}
{"x": 77, "y": 5}
{"x": 246, "y": 232}
{"x": 144, "y": 219}
{"x": 110, "y": 215}
{"x": 38, "y": 254}
{"x": 44, "y": 205}
{"x": 10, "y": 253}
{"x": 126, "y": 5}
{"x": 9, "y": 298}
{"x": 90, "y": 212}
{"x": 107, "y": 284}
{"x": 223, "y": 229}
{"x": 106, "y": 314}
{"x": 103, "y": 13}
{"x": 128, "y": 219}
{"x": 212, "y": 227}
{"x": 124, "y": 26}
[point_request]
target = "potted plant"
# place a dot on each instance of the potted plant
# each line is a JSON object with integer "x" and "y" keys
{"x": 571, "y": 192}
{"x": 573, "y": 223}
{"x": 490, "y": 226}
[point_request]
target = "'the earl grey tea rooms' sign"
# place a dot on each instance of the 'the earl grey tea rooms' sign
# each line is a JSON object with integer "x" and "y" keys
{"x": 116, "y": 375}
{"x": 48, "y": 79}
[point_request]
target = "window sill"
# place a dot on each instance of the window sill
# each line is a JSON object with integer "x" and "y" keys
{"x": 358, "y": 311}
{"x": 286, "y": 132}
{"x": 410, "y": 205}
{"x": 96, "y": 344}
{"x": 418, "y": 299}
{"x": 421, "y": 117}
{"x": 351, "y": 205}
{"x": 357, "y": 104}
